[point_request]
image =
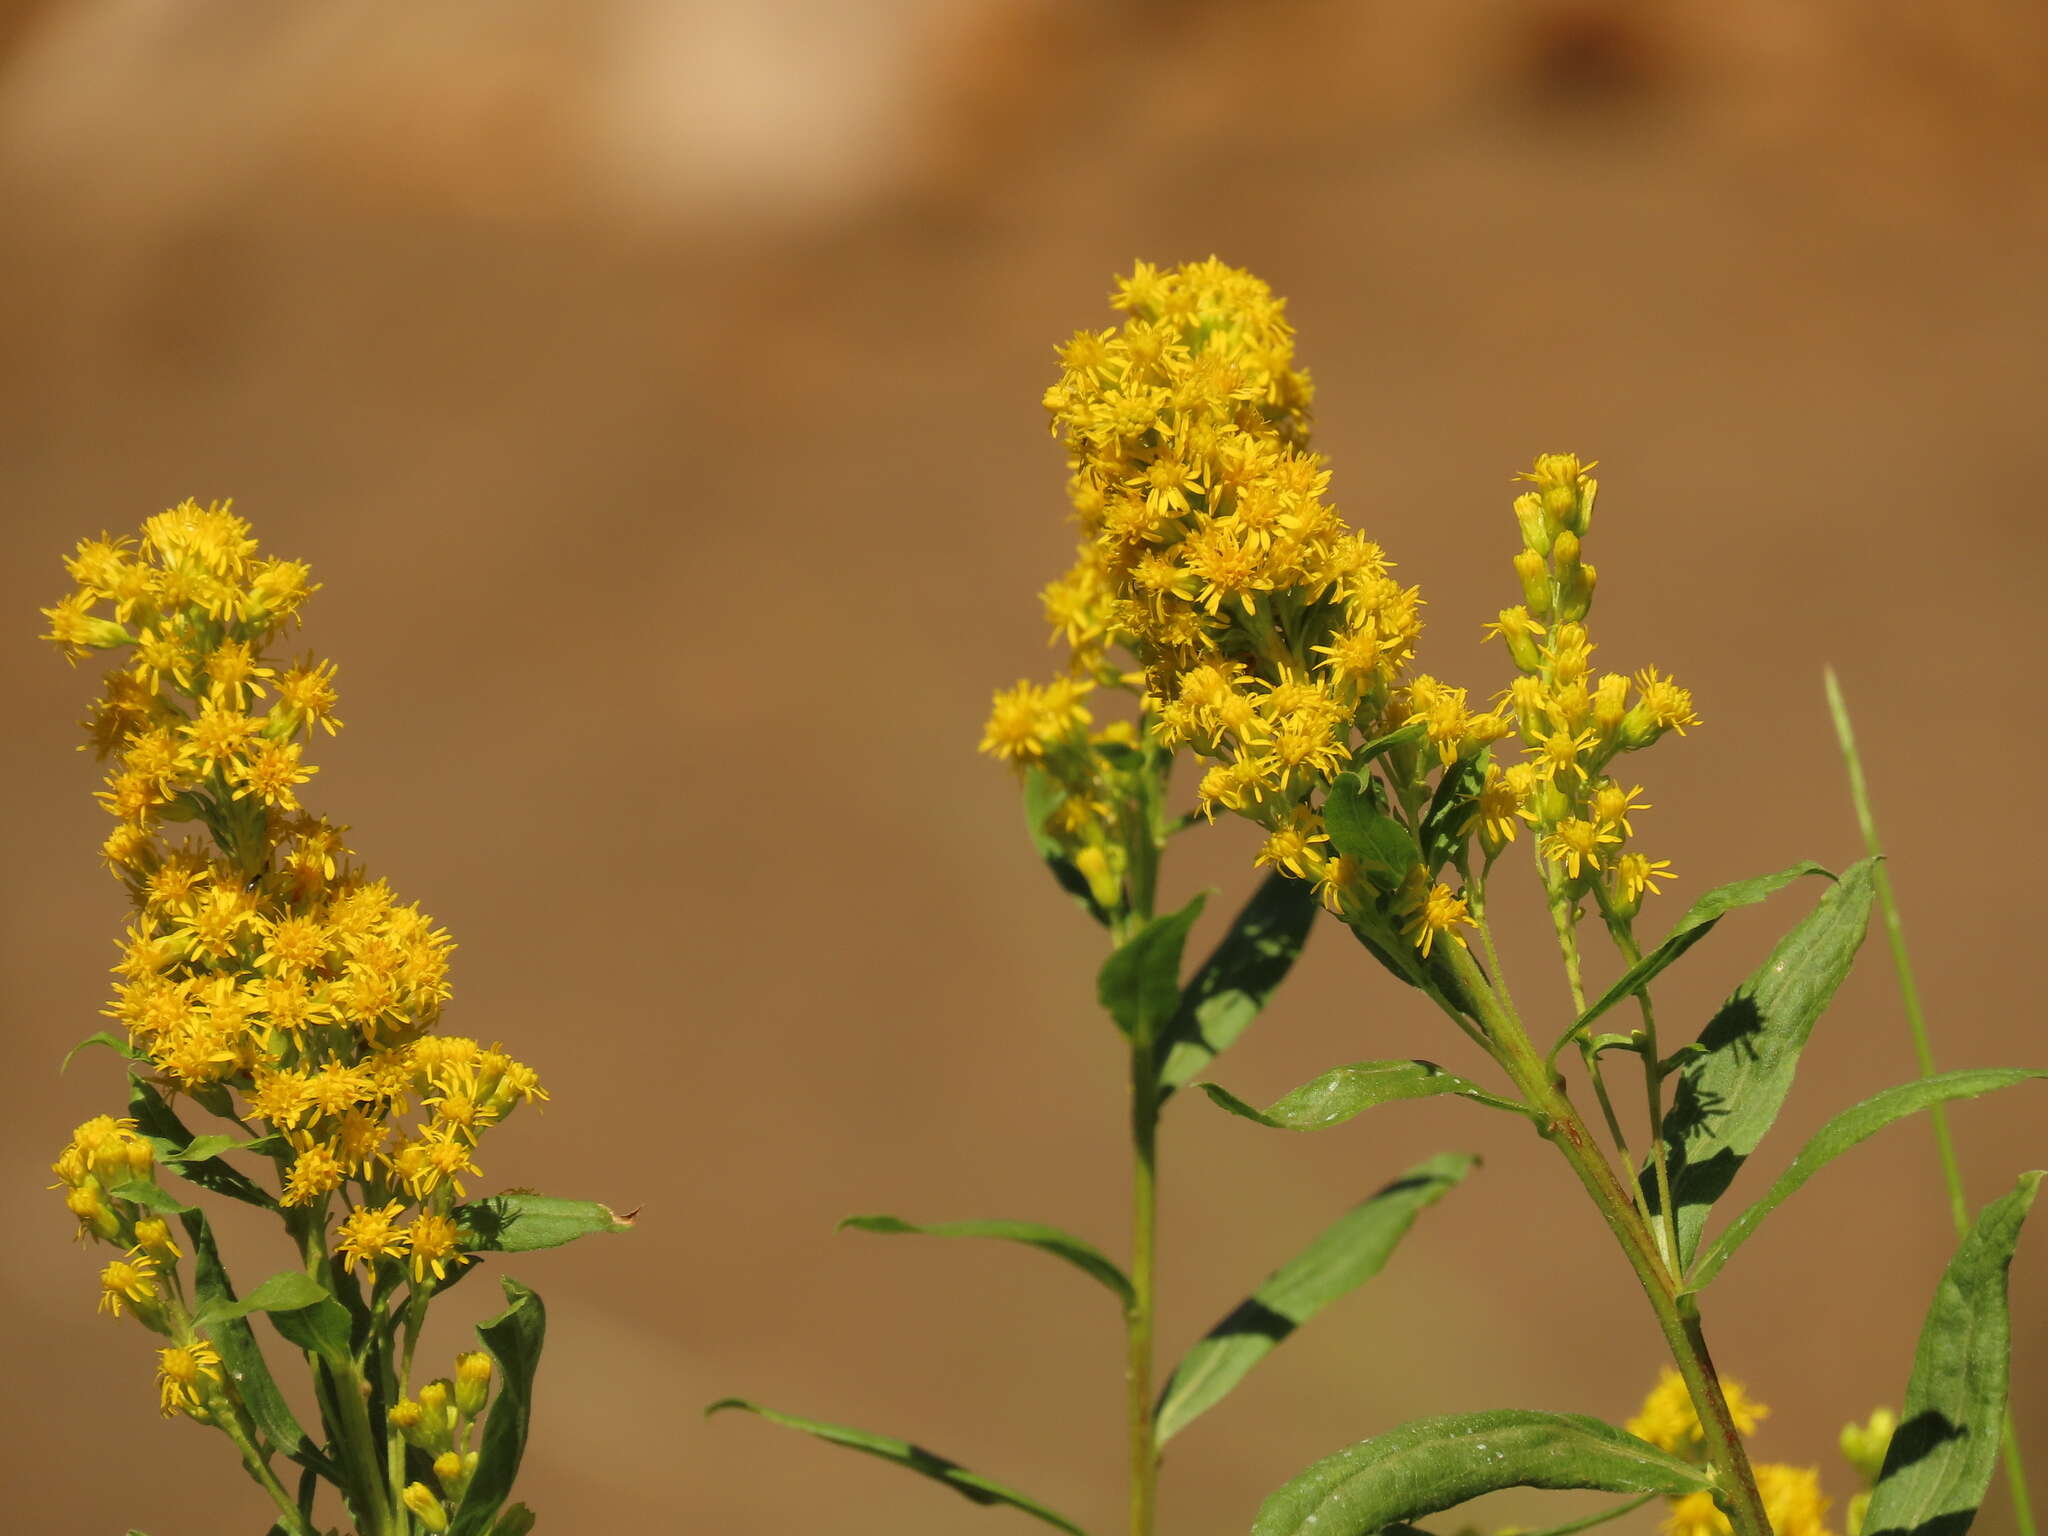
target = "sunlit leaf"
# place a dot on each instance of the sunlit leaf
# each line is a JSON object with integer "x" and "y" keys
{"x": 969, "y": 1485}
{"x": 1946, "y": 1445}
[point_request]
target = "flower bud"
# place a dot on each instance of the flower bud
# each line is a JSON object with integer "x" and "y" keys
{"x": 409, "y": 1419}
{"x": 1536, "y": 534}
{"x": 437, "y": 1425}
{"x": 419, "y": 1498}
{"x": 153, "y": 1237}
{"x": 1575, "y": 601}
{"x": 450, "y": 1473}
{"x": 93, "y": 1213}
{"x": 1534, "y": 571}
{"x": 472, "y": 1382}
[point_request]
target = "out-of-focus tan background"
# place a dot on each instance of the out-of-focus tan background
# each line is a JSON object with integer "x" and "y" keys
{"x": 654, "y": 385}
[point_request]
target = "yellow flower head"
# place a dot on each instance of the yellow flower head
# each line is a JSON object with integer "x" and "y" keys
{"x": 183, "y": 1374}
{"x": 370, "y": 1233}
{"x": 1792, "y": 1501}
{"x": 133, "y": 1279}
{"x": 1668, "y": 1421}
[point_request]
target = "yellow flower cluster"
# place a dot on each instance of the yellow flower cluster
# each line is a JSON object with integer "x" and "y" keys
{"x": 265, "y": 975}
{"x": 1264, "y": 627}
{"x": 1792, "y": 1495}
{"x": 1571, "y": 720}
{"x": 1262, "y": 631}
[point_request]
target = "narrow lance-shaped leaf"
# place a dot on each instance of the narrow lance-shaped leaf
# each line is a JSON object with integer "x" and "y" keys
{"x": 1244, "y": 969}
{"x": 174, "y": 1145}
{"x": 520, "y": 1223}
{"x": 969, "y": 1485}
{"x": 1845, "y": 1131}
{"x": 1344, "y": 1092}
{"x": 514, "y": 1338}
{"x": 287, "y": 1291}
{"x": 110, "y": 1040}
{"x": 1946, "y": 1445}
{"x": 1730, "y": 1090}
{"x": 242, "y": 1355}
{"x": 1435, "y": 1464}
{"x": 1084, "y": 1256}
{"x": 1346, "y": 1255}
{"x": 1140, "y": 982}
{"x": 1698, "y": 922}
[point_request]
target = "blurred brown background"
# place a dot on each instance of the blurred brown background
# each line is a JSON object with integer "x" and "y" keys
{"x": 654, "y": 385}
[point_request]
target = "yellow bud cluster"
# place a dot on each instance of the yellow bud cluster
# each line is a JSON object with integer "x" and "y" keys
{"x": 1571, "y": 720}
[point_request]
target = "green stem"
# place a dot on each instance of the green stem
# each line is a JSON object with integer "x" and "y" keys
{"x": 1653, "y": 1094}
{"x": 1923, "y": 1049}
{"x": 1144, "y": 1451}
{"x": 290, "y": 1516}
{"x": 1677, "y": 1316}
{"x": 1568, "y": 945}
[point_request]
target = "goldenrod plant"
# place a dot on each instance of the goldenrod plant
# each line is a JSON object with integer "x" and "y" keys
{"x": 1096, "y": 794}
{"x": 1244, "y": 625}
{"x": 269, "y": 983}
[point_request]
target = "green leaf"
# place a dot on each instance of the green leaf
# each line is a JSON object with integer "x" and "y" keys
{"x": 1343, "y": 1092}
{"x": 1944, "y": 1449}
{"x": 202, "y": 1148}
{"x": 1845, "y": 1131}
{"x": 1730, "y": 1092}
{"x": 320, "y": 1327}
{"x": 1698, "y": 922}
{"x": 1140, "y": 981}
{"x": 1434, "y": 1464}
{"x": 516, "y": 1222}
{"x": 1041, "y": 798}
{"x": 1450, "y": 810}
{"x": 969, "y": 1485}
{"x": 514, "y": 1338}
{"x": 150, "y": 1195}
{"x": 1084, "y": 1256}
{"x": 516, "y": 1520}
{"x": 110, "y": 1040}
{"x": 1379, "y": 746}
{"x": 1382, "y": 848}
{"x": 243, "y": 1356}
{"x": 286, "y": 1291}
{"x": 1242, "y": 972}
{"x": 173, "y": 1142}
{"x": 1343, "y": 1257}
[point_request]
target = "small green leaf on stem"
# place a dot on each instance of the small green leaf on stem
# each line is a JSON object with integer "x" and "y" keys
{"x": 1435, "y": 1464}
{"x": 1244, "y": 970}
{"x": 1343, "y": 1257}
{"x": 1084, "y": 1256}
{"x": 1729, "y": 1094}
{"x": 1946, "y": 1446}
{"x": 1698, "y": 922}
{"x": 517, "y": 1222}
{"x": 1345, "y": 1092}
{"x": 1140, "y": 981}
{"x": 969, "y": 1485}
{"x": 1845, "y": 1131}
